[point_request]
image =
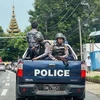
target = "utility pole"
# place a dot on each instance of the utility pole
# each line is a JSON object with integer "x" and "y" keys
{"x": 80, "y": 36}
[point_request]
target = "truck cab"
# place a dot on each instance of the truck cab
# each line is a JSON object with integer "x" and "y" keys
{"x": 49, "y": 79}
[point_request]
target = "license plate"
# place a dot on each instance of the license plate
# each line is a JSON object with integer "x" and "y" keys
{"x": 51, "y": 87}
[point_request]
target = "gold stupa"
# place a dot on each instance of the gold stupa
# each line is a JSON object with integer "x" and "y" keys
{"x": 13, "y": 27}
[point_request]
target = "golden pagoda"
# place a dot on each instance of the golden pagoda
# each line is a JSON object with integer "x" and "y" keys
{"x": 13, "y": 27}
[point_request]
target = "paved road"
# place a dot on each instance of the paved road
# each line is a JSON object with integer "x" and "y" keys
{"x": 7, "y": 87}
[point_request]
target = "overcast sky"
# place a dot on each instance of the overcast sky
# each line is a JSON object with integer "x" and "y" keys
{"x": 21, "y": 9}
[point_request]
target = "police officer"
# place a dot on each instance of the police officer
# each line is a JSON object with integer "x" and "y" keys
{"x": 31, "y": 38}
{"x": 59, "y": 49}
{"x": 43, "y": 47}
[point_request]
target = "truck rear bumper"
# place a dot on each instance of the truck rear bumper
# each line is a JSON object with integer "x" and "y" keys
{"x": 34, "y": 90}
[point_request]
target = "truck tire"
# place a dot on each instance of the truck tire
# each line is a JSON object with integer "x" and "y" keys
{"x": 30, "y": 98}
{"x": 75, "y": 98}
{"x": 68, "y": 98}
{"x": 19, "y": 98}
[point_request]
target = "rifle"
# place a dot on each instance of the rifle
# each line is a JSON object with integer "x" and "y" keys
{"x": 65, "y": 61}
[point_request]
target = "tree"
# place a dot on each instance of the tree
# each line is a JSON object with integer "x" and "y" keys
{"x": 27, "y": 29}
{"x": 1, "y": 30}
{"x": 56, "y": 16}
{"x": 10, "y": 49}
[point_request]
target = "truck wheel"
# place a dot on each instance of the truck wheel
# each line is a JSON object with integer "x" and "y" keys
{"x": 75, "y": 98}
{"x": 20, "y": 99}
{"x": 30, "y": 98}
{"x": 68, "y": 98}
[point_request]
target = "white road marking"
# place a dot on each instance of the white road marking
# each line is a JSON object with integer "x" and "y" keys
{"x": 7, "y": 84}
{"x": 4, "y": 81}
{"x": 7, "y": 77}
{"x": 4, "y": 92}
{"x": 7, "y": 80}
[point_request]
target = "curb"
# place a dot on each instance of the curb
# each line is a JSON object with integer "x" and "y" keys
{"x": 91, "y": 79}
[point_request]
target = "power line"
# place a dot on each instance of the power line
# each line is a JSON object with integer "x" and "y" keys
{"x": 90, "y": 15}
{"x": 72, "y": 12}
{"x": 72, "y": 33}
{"x": 13, "y": 37}
{"x": 60, "y": 20}
{"x": 56, "y": 15}
{"x": 54, "y": 26}
{"x": 83, "y": 23}
{"x": 96, "y": 46}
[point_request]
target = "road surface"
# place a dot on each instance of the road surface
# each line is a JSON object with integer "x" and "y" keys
{"x": 7, "y": 87}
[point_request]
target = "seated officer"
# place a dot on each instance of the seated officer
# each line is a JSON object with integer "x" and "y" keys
{"x": 59, "y": 49}
{"x": 43, "y": 49}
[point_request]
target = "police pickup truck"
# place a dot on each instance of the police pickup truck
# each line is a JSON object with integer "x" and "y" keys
{"x": 50, "y": 79}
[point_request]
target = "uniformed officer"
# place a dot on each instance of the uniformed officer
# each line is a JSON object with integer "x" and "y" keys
{"x": 59, "y": 49}
{"x": 31, "y": 38}
{"x": 43, "y": 47}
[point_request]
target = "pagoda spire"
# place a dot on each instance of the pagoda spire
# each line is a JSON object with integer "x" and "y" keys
{"x": 13, "y": 26}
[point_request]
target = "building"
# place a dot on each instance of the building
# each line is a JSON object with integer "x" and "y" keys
{"x": 90, "y": 47}
{"x": 13, "y": 27}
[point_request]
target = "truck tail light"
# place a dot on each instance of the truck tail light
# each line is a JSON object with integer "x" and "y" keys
{"x": 20, "y": 70}
{"x": 83, "y": 70}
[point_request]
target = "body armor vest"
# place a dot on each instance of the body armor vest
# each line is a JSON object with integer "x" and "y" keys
{"x": 41, "y": 48}
{"x": 58, "y": 50}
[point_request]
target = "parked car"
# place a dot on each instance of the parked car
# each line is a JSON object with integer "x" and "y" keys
{"x": 14, "y": 66}
{"x": 8, "y": 66}
{"x": 2, "y": 67}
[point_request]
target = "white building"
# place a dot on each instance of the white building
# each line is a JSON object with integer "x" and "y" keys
{"x": 90, "y": 47}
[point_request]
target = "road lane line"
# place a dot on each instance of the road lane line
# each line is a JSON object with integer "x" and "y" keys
{"x": 4, "y": 81}
{"x": 7, "y": 84}
{"x": 7, "y": 77}
{"x": 4, "y": 92}
{"x": 7, "y": 80}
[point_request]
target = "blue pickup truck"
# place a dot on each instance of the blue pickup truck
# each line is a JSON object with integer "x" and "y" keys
{"x": 50, "y": 79}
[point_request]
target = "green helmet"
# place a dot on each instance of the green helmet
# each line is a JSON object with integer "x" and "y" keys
{"x": 65, "y": 38}
{"x": 60, "y": 35}
{"x": 39, "y": 37}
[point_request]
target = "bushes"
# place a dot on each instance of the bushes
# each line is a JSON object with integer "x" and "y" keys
{"x": 95, "y": 79}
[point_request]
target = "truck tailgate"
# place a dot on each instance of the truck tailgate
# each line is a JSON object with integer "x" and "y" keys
{"x": 52, "y": 72}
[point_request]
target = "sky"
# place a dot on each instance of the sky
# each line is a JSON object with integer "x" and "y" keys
{"x": 21, "y": 9}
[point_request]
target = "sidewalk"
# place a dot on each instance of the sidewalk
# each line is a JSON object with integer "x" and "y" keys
{"x": 93, "y": 87}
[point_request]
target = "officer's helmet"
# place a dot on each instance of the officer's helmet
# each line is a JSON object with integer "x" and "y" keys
{"x": 39, "y": 37}
{"x": 60, "y": 35}
{"x": 65, "y": 38}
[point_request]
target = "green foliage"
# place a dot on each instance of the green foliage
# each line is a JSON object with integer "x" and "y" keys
{"x": 12, "y": 48}
{"x": 56, "y": 16}
{"x": 1, "y": 30}
{"x": 96, "y": 77}
{"x": 27, "y": 29}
